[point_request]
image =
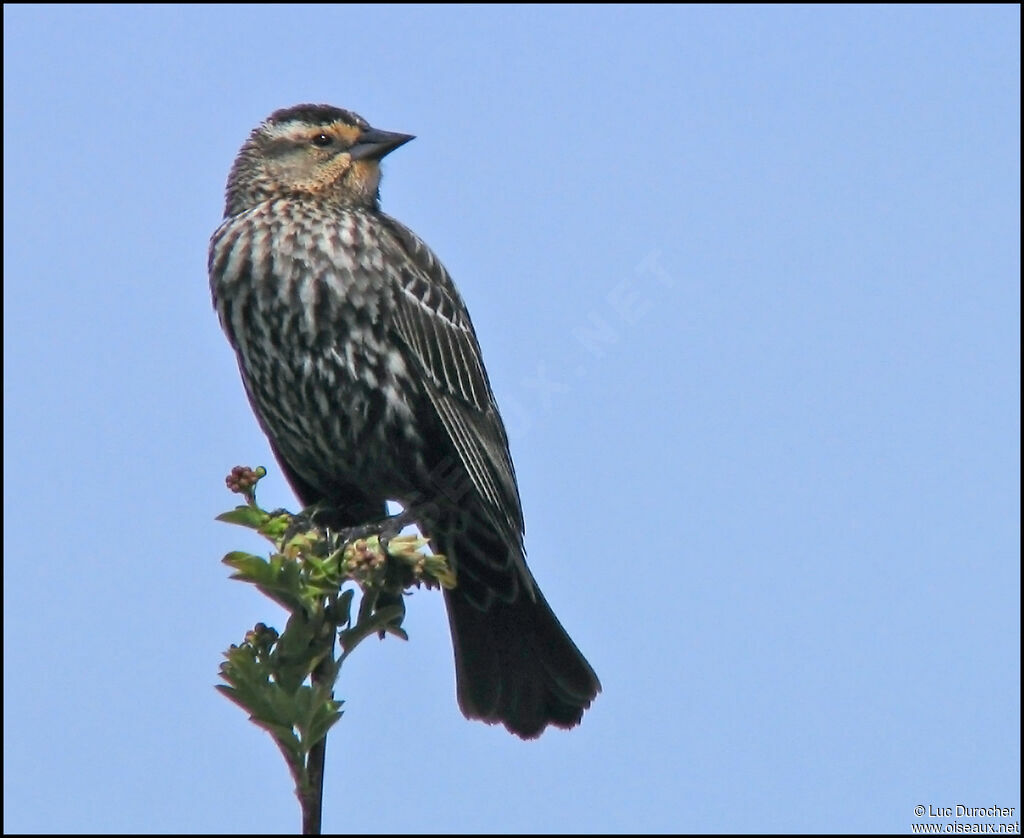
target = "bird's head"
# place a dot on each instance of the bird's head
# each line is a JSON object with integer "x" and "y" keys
{"x": 313, "y": 150}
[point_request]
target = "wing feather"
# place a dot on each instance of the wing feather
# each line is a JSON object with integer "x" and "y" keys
{"x": 433, "y": 323}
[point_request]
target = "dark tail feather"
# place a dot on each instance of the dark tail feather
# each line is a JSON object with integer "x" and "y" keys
{"x": 515, "y": 664}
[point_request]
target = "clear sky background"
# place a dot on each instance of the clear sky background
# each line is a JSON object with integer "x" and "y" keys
{"x": 747, "y": 285}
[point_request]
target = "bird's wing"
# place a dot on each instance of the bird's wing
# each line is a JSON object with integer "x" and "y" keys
{"x": 432, "y": 321}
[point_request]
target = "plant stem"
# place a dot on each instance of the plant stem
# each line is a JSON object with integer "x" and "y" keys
{"x": 312, "y": 799}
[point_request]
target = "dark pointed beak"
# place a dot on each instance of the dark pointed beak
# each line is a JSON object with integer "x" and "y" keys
{"x": 373, "y": 144}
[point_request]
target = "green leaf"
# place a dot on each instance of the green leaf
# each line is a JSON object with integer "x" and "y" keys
{"x": 320, "y": 725}
{"x": 400, "y": 633}
{"x": 285, "y": 737}
{"x": 279, "y": 578}
{"x": 319, "y": 712}
{"x": 294, "y": 657}
{"x": 388, "y": 615}
{"x": 245, "y": 516}
{"x": 248, "y": 563}
{"x": 340, "y": 613}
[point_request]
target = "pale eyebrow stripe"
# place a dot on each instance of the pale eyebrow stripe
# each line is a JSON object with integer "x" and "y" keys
{"x": 294, "y": 131}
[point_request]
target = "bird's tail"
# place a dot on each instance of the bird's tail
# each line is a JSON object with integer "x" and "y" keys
{"x": 515, "y": 664}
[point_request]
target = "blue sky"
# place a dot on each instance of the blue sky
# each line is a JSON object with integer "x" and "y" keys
{"x": 747, "y": 285}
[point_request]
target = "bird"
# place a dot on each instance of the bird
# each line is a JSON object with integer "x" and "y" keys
{"x": 363, "y": 369}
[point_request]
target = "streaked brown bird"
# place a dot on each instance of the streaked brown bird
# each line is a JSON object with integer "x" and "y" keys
{"x": 364, "y": 371}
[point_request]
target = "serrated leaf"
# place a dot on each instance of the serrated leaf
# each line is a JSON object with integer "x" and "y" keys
{"x": 255, "y": 704}
{"x": 320, "y": 726}
{"x": 287, "y": 601}
{"x": 285, "y": 737}
{"x": 279, "y": 578}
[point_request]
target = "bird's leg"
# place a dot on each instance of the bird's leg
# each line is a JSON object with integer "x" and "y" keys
{"x": 385, "y": 528}
{"x": 396, "y": 575}
{"x": 394, "y": 524}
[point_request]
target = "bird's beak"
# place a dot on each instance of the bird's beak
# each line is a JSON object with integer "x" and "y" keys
{"x": 373, "y": 144}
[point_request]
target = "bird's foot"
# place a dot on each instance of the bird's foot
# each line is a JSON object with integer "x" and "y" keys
{"x": 385, "y": 529}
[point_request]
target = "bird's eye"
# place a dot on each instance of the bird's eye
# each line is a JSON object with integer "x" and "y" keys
{"x": 323, "y": 140}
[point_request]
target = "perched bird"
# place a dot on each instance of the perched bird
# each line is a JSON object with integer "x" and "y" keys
{"x": 364, "y": 371}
